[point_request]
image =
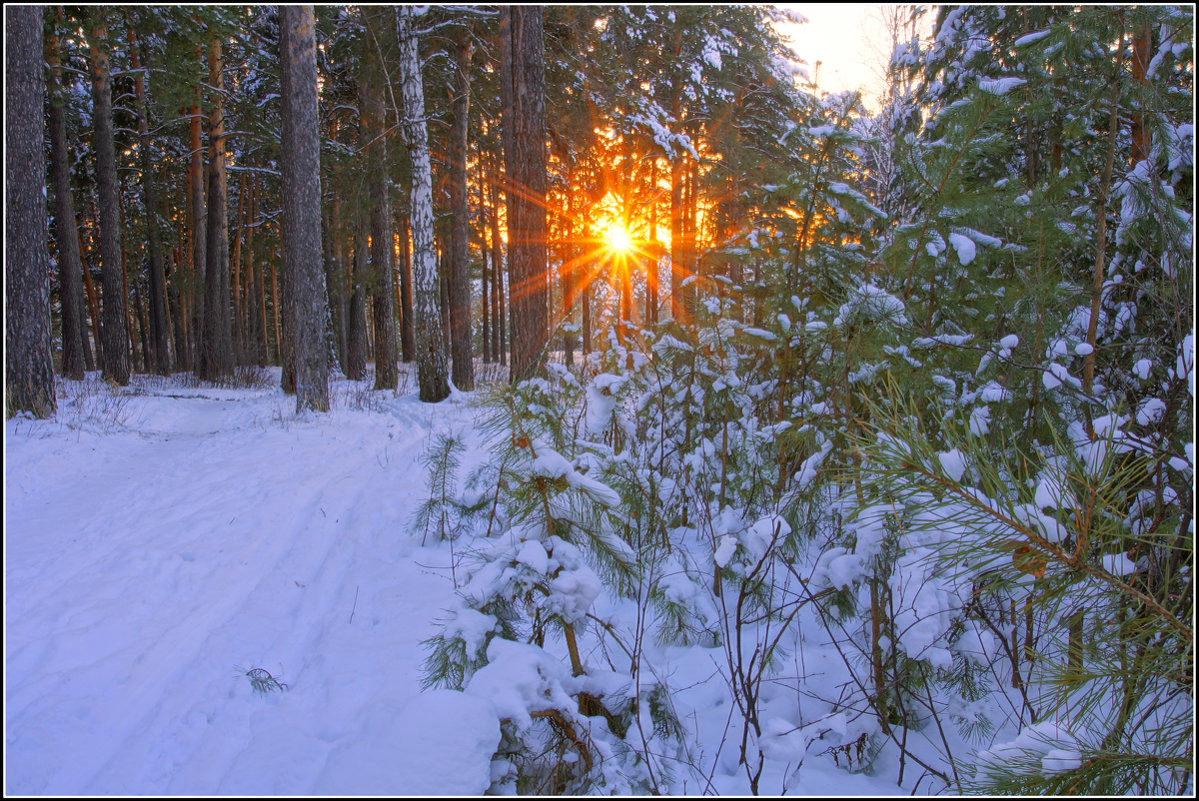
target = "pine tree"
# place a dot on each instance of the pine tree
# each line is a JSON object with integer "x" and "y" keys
{"x": 113, "y": 331}
{"x": 522, "y": 76}
{"x": 70, "y": 263}
{"x": 301, "y": 208}
{"x": 28, "y": 366}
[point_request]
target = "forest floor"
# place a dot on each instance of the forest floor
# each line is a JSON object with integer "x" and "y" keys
{"x": 165, "y": 543}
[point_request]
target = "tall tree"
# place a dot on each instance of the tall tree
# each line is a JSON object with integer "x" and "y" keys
{"x": 112, "y": 328}
{"x": 158, "y": 358}
{"x": 70, "y": 264}
{"x": 300, "y": 165}
{"x": 217, "y": 351}
{"x": 523, "y": 78}
{"x": 199, "y": 216}
{"x": 381, "y": 239}
{"x": 28, "y": 366}
{"x": 430, "y": 346}
{"x": 459, "y": 272}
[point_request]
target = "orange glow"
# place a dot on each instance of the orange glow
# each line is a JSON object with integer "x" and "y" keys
{"x": 618, "y": 239}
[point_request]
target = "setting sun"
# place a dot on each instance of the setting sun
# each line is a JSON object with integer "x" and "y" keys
{"x": 618, "y": 239}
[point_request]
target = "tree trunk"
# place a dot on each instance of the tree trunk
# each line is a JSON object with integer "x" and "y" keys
{"x": 217, "y": 349}
{"x": 431, "y": 366}
{"x": 382, "y": 253}
{"x": 485, "y": 286}
{"x": 526, "y": 163}
{"x": 355, "y": 366}
{"x": 301, "y": 227}
{"x": 459, "y": 252}
{"x": 335, "y": 289}
{"x": 158, "y": 357}
{"x": 130, "y": 327}
{"x": 407, "y": 317}
{"x": 93, "y": 301}
{"x": 256, "y": 298}
{"x": 199, "y": 221}
{"x": 70, "y": 264}
{"x": 112, "y": 327}
{"x": 236, "y": 306}
{"x": 28, "y": 363}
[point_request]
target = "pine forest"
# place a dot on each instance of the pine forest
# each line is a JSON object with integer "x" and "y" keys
{"x": 558, "y": 400}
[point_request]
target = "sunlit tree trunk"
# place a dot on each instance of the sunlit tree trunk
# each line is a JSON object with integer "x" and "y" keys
{"x": 112, "y": 327}
{"x": 407, "y": 316}
{"x": 431, "y": 361}
{"x": 301, "y": 228}
{"x": 498, "y": 350}
{"x": 459, "y": 252}
{"x": 28, "y": 364}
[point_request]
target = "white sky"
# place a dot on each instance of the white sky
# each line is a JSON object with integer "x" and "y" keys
{"x": 849, "y": 39}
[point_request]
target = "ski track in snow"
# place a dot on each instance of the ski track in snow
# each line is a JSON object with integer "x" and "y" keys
{"x": 148, "y": 568}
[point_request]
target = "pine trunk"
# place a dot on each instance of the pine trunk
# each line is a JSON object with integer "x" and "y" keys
{"x": 381, "y": 246}
{"x": 459, "y": 252}
{"x": 70, "y": 263}
{"x": 113, "y": 332}
{"x": 217, "y": 349}
{"x": 301, "y": 227}
{"x": 407, "y": 317}
{"x": 28, "y": 364}
{"x": 355, "y": 366}
{"x": 199, "y": 221}
{"x": 158, "y": 356}
{"x": 526, "y": 168}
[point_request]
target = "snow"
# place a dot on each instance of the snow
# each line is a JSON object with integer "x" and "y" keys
{"x": 1000, "y": 86}
{"x": 964, "y": 246}
{"x": 164, "y": 540}
{"x": 1029, "y": 38}
{"x": 151, "y": 564}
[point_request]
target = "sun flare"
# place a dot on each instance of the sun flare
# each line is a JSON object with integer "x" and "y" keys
{"x": 618, "y": 239}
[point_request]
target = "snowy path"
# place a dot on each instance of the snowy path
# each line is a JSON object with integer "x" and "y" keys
{"x": 148, "y": 567}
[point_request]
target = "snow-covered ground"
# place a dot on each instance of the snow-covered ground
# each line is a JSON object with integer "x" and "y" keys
{"x": 162, "y": 543}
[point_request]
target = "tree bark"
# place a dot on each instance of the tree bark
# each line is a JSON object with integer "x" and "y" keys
{"x": 335, "y": 289}
{"x": 28, "y": 364}
{"x": 430, "y": 347}
{"x": 159, "y": 356}
{"x": 460, "y": 305}
{"x": 237, "y": 307}
{"x": 381, "y": 246}
{"x": 525, "y": 156}
{"x": 199, "y": 219}
{"x": 301, "y": 228}
{"x": 355, "y": 366}
{"x": 112, "y": 326}
{"x": 217, "y": 350}
{"x": 407, "y": 316}
{"x": 70, "y": 263}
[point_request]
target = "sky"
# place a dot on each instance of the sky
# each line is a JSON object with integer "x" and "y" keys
{"x": 851, "y": 42}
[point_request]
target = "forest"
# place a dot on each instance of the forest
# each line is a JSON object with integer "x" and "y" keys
{"x": 775, "y": 443}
